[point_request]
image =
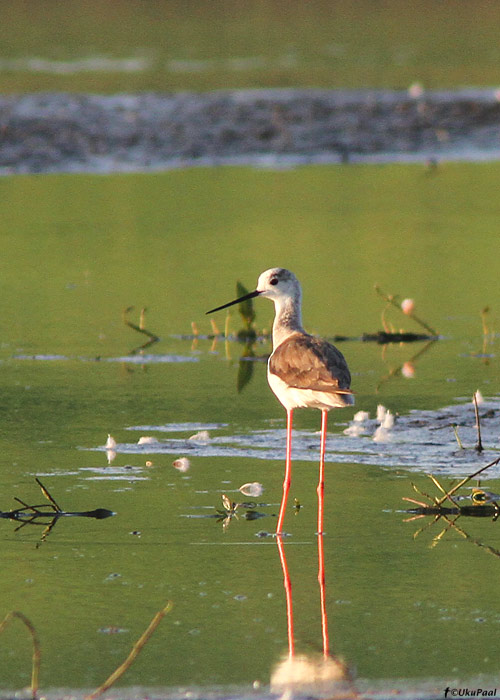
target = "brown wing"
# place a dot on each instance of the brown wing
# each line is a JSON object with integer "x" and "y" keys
{"x": 306, "y": 362}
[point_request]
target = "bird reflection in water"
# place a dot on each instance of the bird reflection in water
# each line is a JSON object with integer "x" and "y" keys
{"x": 320, "y": 675}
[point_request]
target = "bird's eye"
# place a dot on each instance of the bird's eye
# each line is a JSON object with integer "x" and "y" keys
{"x": 273, "y": 281}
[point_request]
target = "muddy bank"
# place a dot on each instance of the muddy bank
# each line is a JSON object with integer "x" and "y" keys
{"x": 43, "y": 133}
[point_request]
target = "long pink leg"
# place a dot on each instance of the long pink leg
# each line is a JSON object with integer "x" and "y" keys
{"x": 321, "y": 483}
{"x": 288, "y": 592}
{"x": 322, "y": 595}
{"x": 288, "y": 471}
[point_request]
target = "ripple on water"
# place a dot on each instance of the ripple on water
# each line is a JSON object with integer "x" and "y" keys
{"x": 422, "y": 441}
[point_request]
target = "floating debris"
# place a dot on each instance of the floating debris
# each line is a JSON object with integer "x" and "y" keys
{"x": 182, "y": 464}
{"x": 358, "y": 425}
{"x": 478, "y": 397}
{"x": 388, "y": 421}
{"x": 253, "y": 489}
{"x": 110, "y": 443}
{"x": 355, "y": 429}
{"x": 147, "y": 440}
{"x": 381, "y": 411}
{"x": 202, "y": 437}
{"x": 428, "y": 433}
{"x": 382, "y": 434}
{"x": 361, "y": 416}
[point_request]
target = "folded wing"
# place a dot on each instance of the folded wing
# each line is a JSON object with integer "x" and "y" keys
{"x": 306, "y": 362}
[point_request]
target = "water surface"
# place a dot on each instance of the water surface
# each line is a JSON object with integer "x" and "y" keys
{"x": 77, "y": 251}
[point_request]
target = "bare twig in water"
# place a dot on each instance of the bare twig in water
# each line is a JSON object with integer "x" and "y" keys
{"x": 479, "y": 445}
{"x": 48, "y": 496}
{"x": 457, "y": 438}
{"x": 136, "y": 649}
{"x": 392, "y": 299}
{"x": 464, "y": 481}
{"x": 432, "y": 499}
{"x": 35, "y": 669}
{"x": 442, "y": 489}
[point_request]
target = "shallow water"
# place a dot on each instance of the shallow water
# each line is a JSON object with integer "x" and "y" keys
{"x": 77, "y": 251}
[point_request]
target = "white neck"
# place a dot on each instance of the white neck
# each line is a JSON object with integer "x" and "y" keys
{"x": 287, "y": 319}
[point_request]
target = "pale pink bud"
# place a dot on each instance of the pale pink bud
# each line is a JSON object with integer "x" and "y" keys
{"x": 407, "y": 306}
{"x": 416, "y": 90}
{"x": 408, "y": 370}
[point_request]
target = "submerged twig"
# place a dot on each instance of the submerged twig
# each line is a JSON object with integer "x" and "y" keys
{"x": 35, "y": 668}
{"x": 136, "y": 649}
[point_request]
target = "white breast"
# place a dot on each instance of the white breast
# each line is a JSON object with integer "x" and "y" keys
{"x": 291, "y": 397}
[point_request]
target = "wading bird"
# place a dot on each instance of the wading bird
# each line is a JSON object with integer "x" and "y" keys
{"x": 303, "y": 371}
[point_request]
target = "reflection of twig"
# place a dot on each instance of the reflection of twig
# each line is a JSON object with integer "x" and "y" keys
{"x": 138, "y": 646}
{"x": 153, "y": 338}
{"x": 466, "y": 536}
{"x": 35, "y": 669}
{"x": 397, "y": 371}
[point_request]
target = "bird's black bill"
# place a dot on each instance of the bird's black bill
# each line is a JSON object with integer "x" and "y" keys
{"x": 251, "y": 295}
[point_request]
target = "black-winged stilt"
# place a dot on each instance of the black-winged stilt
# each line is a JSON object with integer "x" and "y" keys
{"x": 303, "y": 371}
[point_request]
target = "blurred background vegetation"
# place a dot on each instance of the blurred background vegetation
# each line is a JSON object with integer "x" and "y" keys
{"x": 108, "y": 46}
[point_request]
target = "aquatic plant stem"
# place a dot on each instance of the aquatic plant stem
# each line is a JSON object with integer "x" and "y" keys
{"x": 392, "y": 300}
{"x": 479, "y": 445}
{"x": 35, "y": 670}
{"x": 138, "y": 646}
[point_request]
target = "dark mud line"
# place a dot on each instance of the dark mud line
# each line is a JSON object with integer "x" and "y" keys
{"x": 63, "y": 132}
